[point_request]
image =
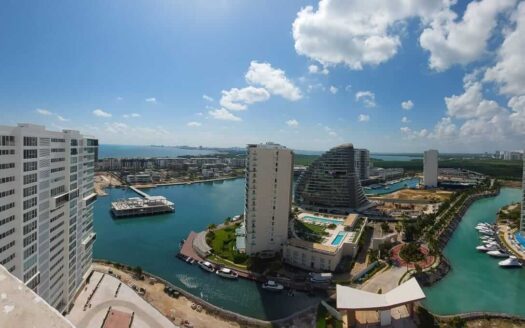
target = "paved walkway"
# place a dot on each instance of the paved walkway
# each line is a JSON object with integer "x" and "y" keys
{"x": 127, "y": 301}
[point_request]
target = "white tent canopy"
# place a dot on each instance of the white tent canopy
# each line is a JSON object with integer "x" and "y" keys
{"x": 354, "y": 299}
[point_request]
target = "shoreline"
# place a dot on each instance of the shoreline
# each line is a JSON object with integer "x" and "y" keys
{"x": 214, "y": 310}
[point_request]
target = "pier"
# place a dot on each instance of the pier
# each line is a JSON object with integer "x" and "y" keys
{"x": 136, "y": 206}
{"x": 141, "y": 193}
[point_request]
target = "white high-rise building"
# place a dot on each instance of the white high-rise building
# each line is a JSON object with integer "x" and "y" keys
{"x": 46, "y": 208}
{"x": 362, "y": 163}
{"x": 522, "y": 219}
{"x": 269, "y": 172}
{"x": 430, "y": 168}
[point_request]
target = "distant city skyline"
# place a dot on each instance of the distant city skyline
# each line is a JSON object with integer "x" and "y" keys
{"x": 400, "y": 78}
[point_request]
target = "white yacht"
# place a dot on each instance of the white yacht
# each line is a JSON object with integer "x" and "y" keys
{"x": 227, "y": 273}
{"x": 497, "y": 253}
{"x": 207, "y": 266}
{"x": 487, "y": 232}
{"x": 272, "y": 285}
{"x": 511, "y": 262}
{"x": 486, "y": 248}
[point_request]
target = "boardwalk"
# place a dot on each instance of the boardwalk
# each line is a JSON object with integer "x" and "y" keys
{"x": 141, "y": 193}
{"x": 187, "y": 248}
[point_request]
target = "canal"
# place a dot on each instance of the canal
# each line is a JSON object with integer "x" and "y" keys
{"x": 152, "y": 242}
{"x": 476, "y": 282}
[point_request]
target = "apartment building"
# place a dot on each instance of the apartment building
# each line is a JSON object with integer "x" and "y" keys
{"x": 46, "y": 208}
{"x": 362, "y": 163}
{"x": 269, "y": 171}
{"x": 430, "y": 168}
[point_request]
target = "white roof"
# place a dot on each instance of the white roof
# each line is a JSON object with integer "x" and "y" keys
{"x": 355, "y": 299}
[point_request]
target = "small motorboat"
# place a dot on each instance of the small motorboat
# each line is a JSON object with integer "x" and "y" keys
{"x": 207, "y": 266}
{"x": 272, "y": 286}
{"x": 511, "y": 262}
{"x": 487, "y": 232}
{"x": 497, "y": 253}
{"x": 227, "y": 273}
{"x": 486, "y": 248}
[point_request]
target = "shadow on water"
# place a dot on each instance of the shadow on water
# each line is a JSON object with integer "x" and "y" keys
{"x": 152, "y": 243}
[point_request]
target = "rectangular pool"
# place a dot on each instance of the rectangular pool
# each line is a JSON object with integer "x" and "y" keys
{"x": 322, "y": 220}
{"x": 339, "y": 238}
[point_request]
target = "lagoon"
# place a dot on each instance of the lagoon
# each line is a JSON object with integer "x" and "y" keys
{"x": 476, "y": 282}
{"x": 152, "y": 243}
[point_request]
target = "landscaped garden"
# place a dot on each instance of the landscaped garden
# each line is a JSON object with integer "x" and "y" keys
{"x": 222, "y": 242}
{"x": 310, "y": 232}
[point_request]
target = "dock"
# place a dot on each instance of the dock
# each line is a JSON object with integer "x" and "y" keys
{"x": 141, "y": 193}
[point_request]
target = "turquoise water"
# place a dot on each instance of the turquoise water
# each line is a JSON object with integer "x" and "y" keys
{"x": 152, "y": 243}
{"x": 146, "y": 151}
{"x": 410, "y": 183}
{"x": 520, "y": 239}
{"x": 476, "y": 282}
{"x": 322, "y": 220}
{"x": 337, "y": 240}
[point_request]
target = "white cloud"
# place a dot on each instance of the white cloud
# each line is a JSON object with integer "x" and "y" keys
{"x": 471, "y": 103}
{"x": 363, "y": 118}
{"x": 194, "y": 124}
{"x": 101, "y": 113}
{"x": 292, "y": 123}
{"x": 356, "y": 33}
{"x": 207, "y": 98}
{"x": 119, "y": 99}
{"x": 42, "y": 111}
{"x": 314, "y": 69}
{"x": 135, "y": 115}
{"x": 237, "y": 99}
{"x": 330, "y": 131}
{"x": 272, "y": 79}
{"x": 348, "y": 88}
{"x": 333, "y": 89}
{"x": 151, "y": 100}
{"x": 405, "y": 120}
{"x": 461, "y": 41}
{"x": 223, "y": 114}
{"x": 116, "y": 128}
{"x": 407, "y": 105}
{"x": 368, "y": 98}
{"x": 62, "y": 119}
{"x": 509, "y": 71}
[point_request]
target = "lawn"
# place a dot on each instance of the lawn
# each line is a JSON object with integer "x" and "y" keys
{"x": 222, "y": 242}
{"x": 309, "y": 231}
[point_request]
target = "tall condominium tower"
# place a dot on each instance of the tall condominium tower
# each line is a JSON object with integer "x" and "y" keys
{"x": 522, "y": 220}
{"x": 362, "y": 163}
{"x": 46, "y": 208}
{"x": 430, "y": 168}
{"x": 269, "y": 171}
{"x": 331, "y": 183}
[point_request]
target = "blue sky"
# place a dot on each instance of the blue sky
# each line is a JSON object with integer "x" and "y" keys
{"x": 305, "y": 74}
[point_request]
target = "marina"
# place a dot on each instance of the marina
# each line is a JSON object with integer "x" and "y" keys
{"x": 391, "y": 186}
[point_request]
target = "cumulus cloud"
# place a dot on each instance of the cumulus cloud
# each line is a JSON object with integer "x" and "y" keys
{"x": 356, "y": 33}
{"x": 368, "y": 98}
{"x": 151, "y": 100}
{"x": 315, "y": 69}
{"x": 363, "y": 118}
{"x": 333, "y": 90}
{"x": 224, "y": 115}
{"x": 405, "y": 120}
{"x": 101, "y": 113}
{"x": 194, "y": 124}
{"x": 292, "y": 123}
{"x": 509, "y": 71}
{"x": 272, "y": 79}
{"x": 237, "y": 99}
{"x": 133, "y": 115}
{"x": 46, "y": 112}
{"x": 407, "y": 105}
{"x": 207, "y": 98}
{"x": 471, "y": 103}
{"x": 461, "y": 41}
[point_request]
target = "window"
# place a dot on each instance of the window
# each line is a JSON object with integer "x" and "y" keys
{"x": 30, "y": 215}
{"x": 58, "y": 190}
{"x": 5, "y": 221}
{"x": 30, "y": 227}
{"x": 30, "y": 166}
{"x": 58, "y": 140}
{"x": 7, "y": 193}
{"x": 30, "y": 153}
{"x": 6, "y": 166}
{"x": 58, "y": 150}
{"x": 30, "y": 178}
{"x": 29, "y": 191}
{"x": 30, "y": 141}
{"x": 29, "y": 239}
{"x": 7, "y": 179}
{"x": 7, "y": 141}
{"x": 7, "y": 206}
{"x": 7, "y": 151}
{"x": 60, "y": 159}
{"x": 30, "y": 203}
{"x": 7, "y": 246}
{"x": 7, "y": 233}
{"x": 57, "y": 169}
{"x": 74, "y": 142}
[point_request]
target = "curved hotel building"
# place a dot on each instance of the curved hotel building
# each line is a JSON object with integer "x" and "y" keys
{"x": 331, "y": 183}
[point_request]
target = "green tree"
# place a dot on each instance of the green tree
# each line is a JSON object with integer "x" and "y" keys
{"x": 212, "y": 226}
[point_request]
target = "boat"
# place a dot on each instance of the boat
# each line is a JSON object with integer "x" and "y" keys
{"x": 486, "y": 248}
{"x": 272, "y": 286}
{"x": 497, "y": 253}
{"x": 207, "y": 266}
{"x": 511, "y": 262}
{"x": 227, "y": 273}
{"x": 487, "y": 232}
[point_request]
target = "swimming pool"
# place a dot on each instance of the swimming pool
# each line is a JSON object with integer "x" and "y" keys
{"x": 322, "y": 220}
{"x": 339, "y": 238}
{"x": 520, "y": 239}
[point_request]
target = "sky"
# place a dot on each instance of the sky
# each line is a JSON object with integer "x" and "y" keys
{"x": 390, "y": 76}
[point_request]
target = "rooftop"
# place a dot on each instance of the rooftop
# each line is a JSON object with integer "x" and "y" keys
{"x": 21, "y": 307}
